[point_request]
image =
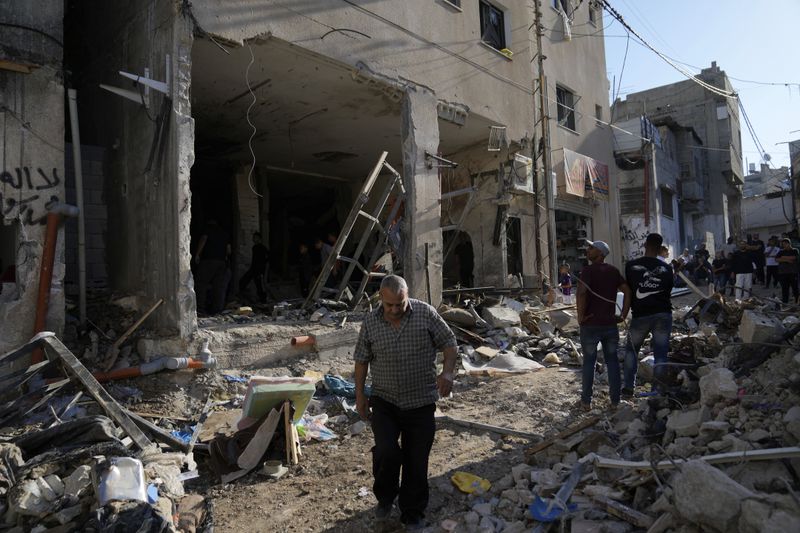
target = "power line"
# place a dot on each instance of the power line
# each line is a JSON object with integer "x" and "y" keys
{"x": 716, "y": 90}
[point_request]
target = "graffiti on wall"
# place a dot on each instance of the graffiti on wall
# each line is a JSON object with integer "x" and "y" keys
{"x": 28, "y": 193}
{"x": 633, "y": 232}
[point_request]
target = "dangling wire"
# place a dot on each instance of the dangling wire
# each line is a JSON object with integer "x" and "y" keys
{"x": 253, "y": 134}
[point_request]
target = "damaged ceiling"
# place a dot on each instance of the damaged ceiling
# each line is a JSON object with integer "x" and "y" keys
{"x": 310, "y": 114}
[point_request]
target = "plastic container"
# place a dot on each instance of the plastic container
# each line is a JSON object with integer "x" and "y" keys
{"x": 124, "y": 480}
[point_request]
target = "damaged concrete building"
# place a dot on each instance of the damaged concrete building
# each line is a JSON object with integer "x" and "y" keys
{"x": 714, "y": 117}
{"x": 266, "y": 116}
{"x": 32, "y": 101}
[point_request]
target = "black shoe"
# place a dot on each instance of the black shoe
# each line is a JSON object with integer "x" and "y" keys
{"x": 626, "y": 394}
{"x": 417, "y": 524}
{"x": 383, "y": 511}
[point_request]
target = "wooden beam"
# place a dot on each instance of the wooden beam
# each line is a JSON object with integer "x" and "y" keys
{"x": 16, "y": 67}
{"x": 486, "y": 427}
{"x": 113, "y": 351}
{"x": 158, "y": 433}
{"x": 589, "y": 422}
{"x": 628, "y": 514}
{"x": 729, "y": 457}
{"x": 55, "y": 349}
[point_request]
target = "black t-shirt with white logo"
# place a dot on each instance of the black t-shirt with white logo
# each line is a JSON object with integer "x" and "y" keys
{"x": 651, "y": 281}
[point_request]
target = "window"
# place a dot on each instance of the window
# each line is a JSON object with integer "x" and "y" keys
{"x": 493, "y": 27}
{"x": 566, "y": 107}
{"x": 454, "y": 3}
{"x": 598, "y": 114}
{"x": 666, "y": 203}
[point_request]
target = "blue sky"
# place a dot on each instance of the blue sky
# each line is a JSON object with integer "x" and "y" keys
{"x": 749, "y": 40}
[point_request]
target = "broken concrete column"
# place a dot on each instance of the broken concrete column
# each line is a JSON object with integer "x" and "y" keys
{"x": 756, "y": 328}
{"x": 422, "y": 214}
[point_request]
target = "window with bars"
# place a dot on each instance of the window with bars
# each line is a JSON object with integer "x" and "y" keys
{"x": 666, "y": 203}
{"x": 493, "y": 29}
{"x": 566, "y": 107}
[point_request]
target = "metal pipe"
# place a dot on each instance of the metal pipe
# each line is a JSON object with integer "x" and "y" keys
{"x": 46, "y": 271}
{"x": 76, "y": 159}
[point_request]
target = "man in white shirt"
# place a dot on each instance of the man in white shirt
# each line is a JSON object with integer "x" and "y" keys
{"x": 771, "y": 253}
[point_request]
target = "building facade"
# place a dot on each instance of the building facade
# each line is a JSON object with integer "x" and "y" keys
{"x": 715, "y": 120}
{"x": 767, "y": 208}
{"x": 266, "y": 116}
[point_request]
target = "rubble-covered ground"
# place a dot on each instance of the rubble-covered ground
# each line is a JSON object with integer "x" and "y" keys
{"x": 732, "y": 395}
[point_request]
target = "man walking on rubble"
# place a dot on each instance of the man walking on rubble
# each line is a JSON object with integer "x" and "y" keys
{"x": 596, "y": 303}
{"x": 398, "y": 343}
{"x": 651, "y": 283}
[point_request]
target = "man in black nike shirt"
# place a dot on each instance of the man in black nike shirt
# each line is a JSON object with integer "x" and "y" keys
{"x": 651, "y": 282}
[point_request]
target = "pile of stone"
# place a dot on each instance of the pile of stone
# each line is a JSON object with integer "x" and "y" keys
{"x": 512, "y": 329}
{"x": 717, "y": 450}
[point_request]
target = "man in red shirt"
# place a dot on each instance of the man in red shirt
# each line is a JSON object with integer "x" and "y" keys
{"x": 596, "y": 299}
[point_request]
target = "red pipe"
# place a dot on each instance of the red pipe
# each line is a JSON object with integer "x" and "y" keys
{"x": 45, "y": 280}
{"x": 303, "y": 340}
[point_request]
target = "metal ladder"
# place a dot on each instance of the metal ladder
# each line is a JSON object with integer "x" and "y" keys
{"x": 396, "y": 182}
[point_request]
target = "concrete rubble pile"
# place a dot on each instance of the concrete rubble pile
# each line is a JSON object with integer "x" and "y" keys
{"x": 717, "y": 450}
{"x": 73, "y": 458}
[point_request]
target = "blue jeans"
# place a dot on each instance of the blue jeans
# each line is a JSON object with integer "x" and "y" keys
{"x": 609, "y": 337}
{"x": 660, "y": 325}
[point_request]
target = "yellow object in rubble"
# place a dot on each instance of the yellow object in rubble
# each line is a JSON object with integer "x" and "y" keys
{"x": 469, "y": 483}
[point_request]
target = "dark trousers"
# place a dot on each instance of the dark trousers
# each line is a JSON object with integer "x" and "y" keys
{"x": 210, "y": 273}
{"x": 257, "y": 276}
{"x": 759, "y": 273}
{"x": 788, "y": 281}
{"x": 772, "y": 275}
{"x": 414, "y": 428}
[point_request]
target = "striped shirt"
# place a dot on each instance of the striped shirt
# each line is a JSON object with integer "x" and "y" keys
{"x": 403, "y": 360}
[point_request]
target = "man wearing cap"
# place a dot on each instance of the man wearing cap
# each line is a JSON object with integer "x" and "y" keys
{"x": 651, "y": 283}
{"x": 596, "y": 302}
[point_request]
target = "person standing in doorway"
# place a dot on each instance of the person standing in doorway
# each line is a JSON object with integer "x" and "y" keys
{"x": 565, "y": 283}
{"x": 742, "y": 271}
{"x": 398, "y": 344}
{"x": 651, "y": 283}
{"x": 597, "y": 302}
{"x": 211, "y": 258}
{"x": 304, "y": 269}
{"x": 259, "y": 263}
{"x": 787, "y": 260}
{"x": 770, "y": 253}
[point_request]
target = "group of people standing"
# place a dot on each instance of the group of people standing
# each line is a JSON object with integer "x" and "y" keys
{"x": 737, "y": 266}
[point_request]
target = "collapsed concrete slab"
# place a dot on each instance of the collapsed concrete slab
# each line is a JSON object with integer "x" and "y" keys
{"x": 501, "y": 317}
{"x": 718, "y": 385}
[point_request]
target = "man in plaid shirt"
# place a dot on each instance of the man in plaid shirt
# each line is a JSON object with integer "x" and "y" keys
{"x": 399, "y": 342}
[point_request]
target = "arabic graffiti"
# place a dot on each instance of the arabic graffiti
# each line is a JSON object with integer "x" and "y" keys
{"x": 633, "y": 233}
{"x": 22, "y": 198}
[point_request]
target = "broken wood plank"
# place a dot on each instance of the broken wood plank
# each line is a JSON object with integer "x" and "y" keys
{"x": 50, "y": 391}
{"x": 536, "y": 448}
{"x": 157, "y": 416}
{"x": 624, "y": 512}
{"x": 287, "y": 432}
{"x": 158, "y": 433}
{"x": 56, "y": 349}
{"x": 486, "y": 427}
{"x": 728, "y": 457}
{"x": 692, "y": 286}
{"x": 113, "y": 351}
{"x": 199, "y": 426}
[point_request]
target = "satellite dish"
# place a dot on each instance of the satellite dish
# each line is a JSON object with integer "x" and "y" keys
{"x": 767, "y": 157}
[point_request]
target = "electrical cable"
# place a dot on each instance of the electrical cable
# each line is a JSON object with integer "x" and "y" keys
{"x": 5, "y": 109}
{"x": 247, "y": 115}
{"x": 34, "y": 30}
{"x": 622, "y": 71}
{"x": 716, "y": 90}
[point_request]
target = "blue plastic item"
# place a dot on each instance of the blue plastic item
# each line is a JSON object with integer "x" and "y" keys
{"x": 540, "y": 513}
{"x": 152, "y": 494}
{"x": 342, "y": 387}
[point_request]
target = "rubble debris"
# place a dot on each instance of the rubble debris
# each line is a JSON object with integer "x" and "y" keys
{"x": 759, "y": 328}
{"x": 501, "y": 317}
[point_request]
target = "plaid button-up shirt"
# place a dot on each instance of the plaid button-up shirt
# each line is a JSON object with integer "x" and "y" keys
{"x": 403, "y": 360}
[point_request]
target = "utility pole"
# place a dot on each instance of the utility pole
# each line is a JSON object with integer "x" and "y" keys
{"x": 545, "y": 260}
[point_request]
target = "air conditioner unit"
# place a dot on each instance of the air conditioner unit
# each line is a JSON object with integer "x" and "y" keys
{"x": 521, "y": 175}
